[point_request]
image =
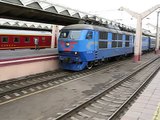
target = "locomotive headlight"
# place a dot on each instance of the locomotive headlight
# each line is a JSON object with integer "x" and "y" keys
{"x": 75, "y": 53}
{"x": 67, "y": 44}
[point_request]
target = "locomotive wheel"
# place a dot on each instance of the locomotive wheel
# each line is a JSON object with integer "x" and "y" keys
{"x": 90, "y": 65}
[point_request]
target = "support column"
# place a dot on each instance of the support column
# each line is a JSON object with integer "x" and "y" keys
{"x": 138, "y": 40}
{"x": 55, "y": 33}
{"x": 157, "y": 35}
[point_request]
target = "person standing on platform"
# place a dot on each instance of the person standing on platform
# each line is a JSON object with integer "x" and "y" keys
{"x": 36, "y": 42}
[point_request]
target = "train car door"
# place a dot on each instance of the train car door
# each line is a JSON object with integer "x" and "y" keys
{"x": 91, "y": 46}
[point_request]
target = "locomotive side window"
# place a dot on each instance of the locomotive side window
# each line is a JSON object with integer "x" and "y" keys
{"x": 114, "y": 36}
{"x": 119, "y": 36}
{"x": 16, "y": 40}
{"x": 4, "y": 39}
{"x": 103, "y": 44}
{"x": 127, "y": 37}
{"x": 89, "y": 35}
{"x": 26, "y": 40}
{"x": 119, "y": 44}
{"x": 114, "y": 44}
{"x": 116, "y": 40}
{"x": 127, "y": 41}
{"x": 126, "y": 44}
{"x": 103, "y": 35}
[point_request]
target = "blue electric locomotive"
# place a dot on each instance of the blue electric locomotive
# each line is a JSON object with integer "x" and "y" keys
{"x": 81, "y": 45}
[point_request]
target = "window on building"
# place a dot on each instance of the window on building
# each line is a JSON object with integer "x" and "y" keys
{"x": 16, "y": 40}
{"x": 4, "y": 39}
{"x": 103, "y": 35}
{"x": 103, "y": 44}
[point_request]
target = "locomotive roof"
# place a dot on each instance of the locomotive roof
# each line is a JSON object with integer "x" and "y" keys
{"x": 23, "y": 32}
{"x": 84, "y": 26}
{"x": 92, "y": 27}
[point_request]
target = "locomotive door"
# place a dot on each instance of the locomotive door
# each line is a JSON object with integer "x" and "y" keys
{"x": 91, "y": 46}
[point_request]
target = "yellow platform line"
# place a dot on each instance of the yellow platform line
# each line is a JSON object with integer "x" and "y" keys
{"x": 157, "y": 113}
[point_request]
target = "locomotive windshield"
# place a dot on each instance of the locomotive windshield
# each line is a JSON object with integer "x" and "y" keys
{"x": 71, "y": 34}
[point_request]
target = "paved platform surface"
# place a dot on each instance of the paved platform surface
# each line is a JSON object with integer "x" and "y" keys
{"x": 13, "y": 54}
{"x": 146, "y": 106}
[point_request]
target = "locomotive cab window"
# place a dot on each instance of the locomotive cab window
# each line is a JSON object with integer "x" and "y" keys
{"x": 16, "y": 40}
{"x": 26, "y": 40}
{"x": 74, "y": 35}
{"x": 4, "y": 39}
{"x": 64, "y": 34}
{"x": 89, "y": 35}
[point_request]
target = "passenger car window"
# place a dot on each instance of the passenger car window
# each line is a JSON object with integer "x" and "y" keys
{"x": 27, "y": 39}
{"x": 89, "y": 35}
{"x": 16, "y": 40}
{"x": 4, "y": 39}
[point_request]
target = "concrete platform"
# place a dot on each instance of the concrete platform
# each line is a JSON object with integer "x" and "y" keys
{"x": 25, "y": 53}
{"x": 146, "y": 106}
{"x": 21, "y": 63}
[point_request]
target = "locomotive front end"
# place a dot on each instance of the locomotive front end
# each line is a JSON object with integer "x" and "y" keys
{"x": 70, "y": 47}
{"x": 76, "y": 46}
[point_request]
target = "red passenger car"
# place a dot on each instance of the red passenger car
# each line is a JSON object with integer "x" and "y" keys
{"x": 23, "y": 39}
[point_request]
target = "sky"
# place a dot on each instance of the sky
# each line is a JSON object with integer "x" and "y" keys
{"x": 109, "y": 9}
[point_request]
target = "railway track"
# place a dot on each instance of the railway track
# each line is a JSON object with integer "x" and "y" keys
{"x": 21, "y": 87}
{"x": 109, "y": 103}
